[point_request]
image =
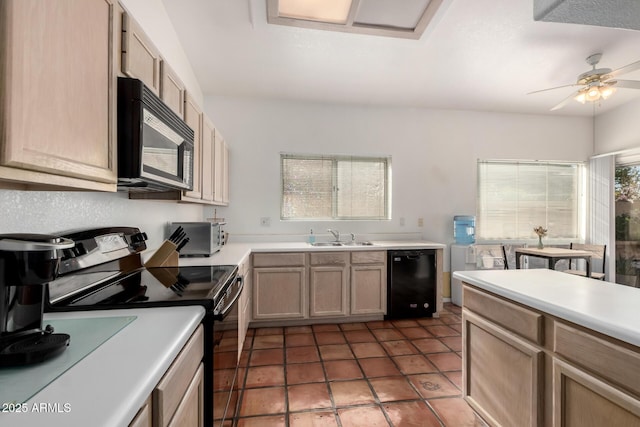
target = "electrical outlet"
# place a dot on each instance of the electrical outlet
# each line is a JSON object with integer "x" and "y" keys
{"x": 265, "y": 221}
{"x": 401, "y": 222}
{"x": 420, "y": 222}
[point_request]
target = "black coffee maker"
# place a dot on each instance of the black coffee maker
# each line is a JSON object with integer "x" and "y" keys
{"x": 27, "y": 263}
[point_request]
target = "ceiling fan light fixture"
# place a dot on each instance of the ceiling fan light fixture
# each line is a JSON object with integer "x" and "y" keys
{"x": 592, "y": 94}
{"x": 607, "y": 91}
{"x": 581, "y": 97}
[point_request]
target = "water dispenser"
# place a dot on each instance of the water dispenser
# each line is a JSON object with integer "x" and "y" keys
{"x": 464, "y": 229}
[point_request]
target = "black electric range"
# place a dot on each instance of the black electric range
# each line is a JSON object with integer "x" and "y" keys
{"x": 105, "y": 271}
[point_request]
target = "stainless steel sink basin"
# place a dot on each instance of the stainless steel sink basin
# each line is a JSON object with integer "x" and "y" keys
{"x": 341, "y": 244}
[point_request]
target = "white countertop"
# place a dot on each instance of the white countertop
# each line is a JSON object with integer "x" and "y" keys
{"x": 234, "y": 253}
{"x": 605, "y": 307}
{"x": 108, "y": 386}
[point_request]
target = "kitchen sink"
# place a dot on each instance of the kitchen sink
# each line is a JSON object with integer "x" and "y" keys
{"x": 342, "y": 244}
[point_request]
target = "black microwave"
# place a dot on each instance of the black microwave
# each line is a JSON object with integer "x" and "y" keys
{"x": 155, "y": 146}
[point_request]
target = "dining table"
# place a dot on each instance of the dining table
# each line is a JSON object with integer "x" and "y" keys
{"x": 553, "y": 255}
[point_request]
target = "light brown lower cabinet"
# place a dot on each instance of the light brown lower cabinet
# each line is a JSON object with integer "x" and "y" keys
{"x": 580, "y": 399}
{"x": 279, "y": 286}
{"x": 144, "y": 417}
{"x": 244, "y": 302}
{"x": 500, "y": 367}
{"x": 369, "y": 282}
{"x": 178, "y": 399}
{"x": 523, "y": 367}
{"x": 328, "y": 284}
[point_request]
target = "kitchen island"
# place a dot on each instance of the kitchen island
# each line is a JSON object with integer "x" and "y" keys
{"x": 562, "y": 350}
{"x": 109, "y": 385}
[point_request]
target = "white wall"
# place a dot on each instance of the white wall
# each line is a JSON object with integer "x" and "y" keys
{"x": 57, "y": 211}
{"x": 618, "y": 129}
{"x": 434, "y": 156}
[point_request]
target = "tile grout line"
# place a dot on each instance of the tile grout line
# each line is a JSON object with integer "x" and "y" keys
{"x": 391, "y": 357}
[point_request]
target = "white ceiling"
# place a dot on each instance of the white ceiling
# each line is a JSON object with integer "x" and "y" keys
{"x": 475, "y": 55}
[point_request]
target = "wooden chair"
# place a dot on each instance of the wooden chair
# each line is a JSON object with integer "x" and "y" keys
{"x": 598, "y": 252}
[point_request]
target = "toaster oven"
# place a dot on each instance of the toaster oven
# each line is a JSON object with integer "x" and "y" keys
{"x": 205, "y": 238}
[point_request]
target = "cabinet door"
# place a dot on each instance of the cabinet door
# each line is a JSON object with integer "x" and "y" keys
{"x": 328, "y": 291}
{"x": 581, "y": 400}
{"x": 143, "y": 418}
{"x": 190, "y": 412}
{"x": 57, "y": 99}
{"x": 499, "y": 367}
{"x": 225, "y": 175}
{"x": 244, "y": 310}
{"x": 169, "y": 393}
{"x": 140, "y": 58}
{"x": 193, "y": 118}
{"x": 207, "y": 159}
{"x": 172, "y": 90}
{"x": 221, "y": 168}
{"x": 368, "y": 289}
{"x": 279, "y": 293}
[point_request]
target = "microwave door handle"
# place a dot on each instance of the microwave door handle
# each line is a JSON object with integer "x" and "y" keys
{"x": 227, "y": 309}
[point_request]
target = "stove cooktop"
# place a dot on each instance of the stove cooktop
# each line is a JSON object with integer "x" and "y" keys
{"x": 149, "y": 287}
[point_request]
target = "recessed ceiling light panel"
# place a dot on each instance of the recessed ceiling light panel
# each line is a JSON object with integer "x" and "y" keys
{"x": 389, "y": 13}
{"x": 334, "y": 11}
{"x": 391, "y": 18}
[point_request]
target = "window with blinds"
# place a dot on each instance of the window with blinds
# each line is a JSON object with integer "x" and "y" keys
{"x": 516, "y": 196}
{"x": 325, "y": 187}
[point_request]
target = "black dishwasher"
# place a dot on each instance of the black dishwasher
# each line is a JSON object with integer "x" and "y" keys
{"x": 411, "y": 283}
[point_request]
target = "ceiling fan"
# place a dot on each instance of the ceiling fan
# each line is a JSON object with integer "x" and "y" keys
{"x": 597, "y": 83}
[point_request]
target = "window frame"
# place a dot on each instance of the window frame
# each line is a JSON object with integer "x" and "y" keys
{"x": 580, "y": 203}
{"x": 335, "y": 159}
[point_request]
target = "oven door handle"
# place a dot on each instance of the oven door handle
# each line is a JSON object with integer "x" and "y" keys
{"x": 220, "y": 315}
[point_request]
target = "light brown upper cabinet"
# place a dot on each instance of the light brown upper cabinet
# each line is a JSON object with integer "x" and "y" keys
{"x": 221, "y": 168}
{"x": 172, "y": 90}
{"x": 57, "y": 94}
{"x": 193, "y": 118}
{"x": 207, "y": 159}
{"x": 140, "y": 58}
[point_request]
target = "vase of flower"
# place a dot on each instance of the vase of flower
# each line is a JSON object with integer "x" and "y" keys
{"x": 541, "y": 232}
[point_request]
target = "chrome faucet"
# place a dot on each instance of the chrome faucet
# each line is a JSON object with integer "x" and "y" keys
{"x": 353, "y": 237}
{"x": 336, "y": 234}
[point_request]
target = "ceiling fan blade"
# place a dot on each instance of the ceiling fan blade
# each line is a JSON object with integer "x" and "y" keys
{"x": 553, "y": 88}
{"x": 565, "y": 101}
{"x": 630, "y": 84}
{"x": 623, "y": 70}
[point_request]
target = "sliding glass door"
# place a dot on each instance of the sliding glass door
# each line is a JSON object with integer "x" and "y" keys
{"x": 627, "y": 228}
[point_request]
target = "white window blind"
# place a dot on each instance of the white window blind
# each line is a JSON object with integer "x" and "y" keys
{"x": 515, "y": 197}
{"x": 334, "y": 187}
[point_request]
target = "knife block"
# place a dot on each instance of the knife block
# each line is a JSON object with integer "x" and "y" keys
{"x": 165, "y": 256}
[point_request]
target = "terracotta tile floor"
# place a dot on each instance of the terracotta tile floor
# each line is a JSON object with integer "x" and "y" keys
{"x": 399, "y": 373}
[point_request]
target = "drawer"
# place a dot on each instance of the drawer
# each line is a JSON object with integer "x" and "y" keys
{"x": 292, "y": 259}
{"x": 368, "y": 257}
{"x": 172, "y": 387}
{"x": 328, "y": 258}
{"x": 604, "y": 358}
{"x": 524, "y": 322}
